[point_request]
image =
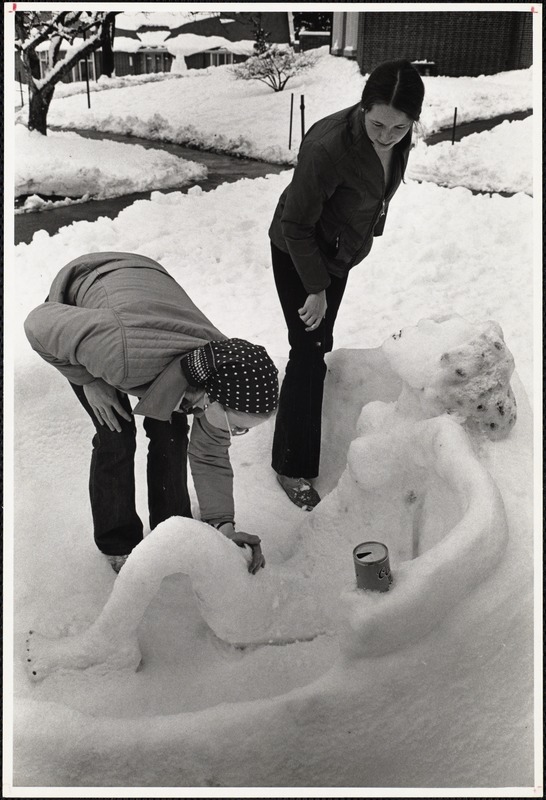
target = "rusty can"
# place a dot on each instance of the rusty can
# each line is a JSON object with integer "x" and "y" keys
{"x": 372, "y": 567}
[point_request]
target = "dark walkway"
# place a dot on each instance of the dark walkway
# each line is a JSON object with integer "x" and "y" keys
{"x": 477, "y": 126}
{"x": 222, "y": 169}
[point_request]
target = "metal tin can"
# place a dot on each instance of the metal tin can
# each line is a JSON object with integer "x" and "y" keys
{"x": 372, "y": 568}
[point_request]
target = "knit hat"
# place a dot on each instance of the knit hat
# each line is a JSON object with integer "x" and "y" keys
{"x": 235, "y": 373}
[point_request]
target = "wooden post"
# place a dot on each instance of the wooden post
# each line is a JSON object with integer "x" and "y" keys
{"x": 454, "y": 126}
{"x": 291, "y": 115}
{"x": 302, "y": 107}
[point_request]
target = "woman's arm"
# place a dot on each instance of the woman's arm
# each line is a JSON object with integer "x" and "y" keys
{"x": 314, "y": 182}
{"x": 211, "y": 470}
{"x": 213, "y": 480}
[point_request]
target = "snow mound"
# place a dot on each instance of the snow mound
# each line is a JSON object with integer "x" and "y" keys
{"x": 491, "y": 161}
{"x": 78, "y": 167}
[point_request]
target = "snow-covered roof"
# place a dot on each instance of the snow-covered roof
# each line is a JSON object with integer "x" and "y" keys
{"x": 161, "y": 19}
{"x": 186, "y": 44}
{"x": 151, "y": 38}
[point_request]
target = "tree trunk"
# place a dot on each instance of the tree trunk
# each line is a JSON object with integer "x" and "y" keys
{"x": 38, "y": 107}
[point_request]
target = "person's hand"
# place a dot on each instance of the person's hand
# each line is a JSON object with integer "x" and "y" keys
{"x": 104, "y": 401}
{"x": 241, "y": 538}
{"x": 313, "y": 310}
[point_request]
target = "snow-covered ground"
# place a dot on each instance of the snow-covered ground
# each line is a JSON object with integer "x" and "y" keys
{"x": 449, "y": 706}
{"x": 65, "y": 164}
{"x": 247, "y": 118}
{"x": 103, "y": 83}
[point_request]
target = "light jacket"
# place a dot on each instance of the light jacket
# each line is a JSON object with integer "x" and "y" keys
{"x": 337, "y": 200}
{"x": 121, "y": 317}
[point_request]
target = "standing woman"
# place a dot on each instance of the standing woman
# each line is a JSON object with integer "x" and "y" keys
{"x": 350, "y": 164}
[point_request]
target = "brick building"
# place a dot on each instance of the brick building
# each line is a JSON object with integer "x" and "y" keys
{"x": 455, "y": 42}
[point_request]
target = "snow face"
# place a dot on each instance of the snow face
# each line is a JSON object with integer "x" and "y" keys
{"x": 452, "y": 366}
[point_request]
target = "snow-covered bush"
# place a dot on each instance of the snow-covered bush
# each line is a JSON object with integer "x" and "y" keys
{"x": 274, "y": 67}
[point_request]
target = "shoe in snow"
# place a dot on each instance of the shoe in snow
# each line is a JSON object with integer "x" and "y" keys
{"x": 300, "y": 492}
{"x": 116, "y": 562}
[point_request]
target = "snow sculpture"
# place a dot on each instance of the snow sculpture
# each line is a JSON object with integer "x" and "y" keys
{"x": 420, "y": 489}
{"x": 239, "y": 607}
{"x": 451, "y": 366}
{"x": 412, "y": 481}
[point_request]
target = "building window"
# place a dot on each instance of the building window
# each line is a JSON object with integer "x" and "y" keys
{"x": 79, "y": 72}
{"x": 216, "y": 58}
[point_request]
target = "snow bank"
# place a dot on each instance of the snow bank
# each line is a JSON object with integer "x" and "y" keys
{"x": 494, "y": 161}
{"x": 66, "y": 164}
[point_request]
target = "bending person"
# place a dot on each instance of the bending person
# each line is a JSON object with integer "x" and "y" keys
{"x": 350, "y": 164}
{"x": 117, "y": 324}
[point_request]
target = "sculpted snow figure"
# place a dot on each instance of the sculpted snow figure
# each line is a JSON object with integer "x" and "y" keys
{"x": 451, "y": 366}
{"x": 412, "y": 480}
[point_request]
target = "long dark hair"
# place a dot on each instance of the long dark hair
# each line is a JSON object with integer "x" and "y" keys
{"x": 396, "y": 84}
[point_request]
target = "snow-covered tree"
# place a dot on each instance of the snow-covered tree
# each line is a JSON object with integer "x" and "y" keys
{"x": 72, "y": 35}
{"x": 274, "y": 67}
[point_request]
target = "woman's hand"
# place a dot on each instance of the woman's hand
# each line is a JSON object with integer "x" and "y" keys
{"x": 313, "y": 310}
{"x": 241, "y": 538}
{"x": 104, "y": 401}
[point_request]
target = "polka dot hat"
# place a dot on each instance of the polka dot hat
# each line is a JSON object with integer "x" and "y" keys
{"x": 236, "y": 373}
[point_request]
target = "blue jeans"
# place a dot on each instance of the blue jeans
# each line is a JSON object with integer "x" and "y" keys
{"x": 296, "y": 441}
{"x": 117, "y": 527}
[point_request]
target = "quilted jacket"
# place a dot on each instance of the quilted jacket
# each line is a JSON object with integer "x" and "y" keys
{"x": 121, "y": 317}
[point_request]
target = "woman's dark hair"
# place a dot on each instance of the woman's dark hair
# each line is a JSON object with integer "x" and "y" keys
{"x": 396, "y": 84}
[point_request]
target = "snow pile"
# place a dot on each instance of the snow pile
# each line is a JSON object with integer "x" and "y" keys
{"x": 494, "y": 161}
{"x": 255, "y": 121}
{"x": 66, "y": 164}
{"x": 475, "y": 98}
{"x": 450, "y": 366}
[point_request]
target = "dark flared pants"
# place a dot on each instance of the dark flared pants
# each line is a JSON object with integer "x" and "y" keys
{"x": 296, "y": 441}
{"x": 117, "y": 527}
